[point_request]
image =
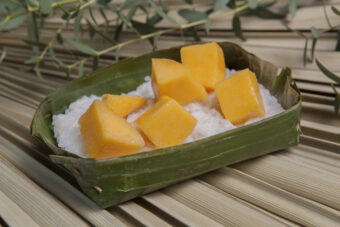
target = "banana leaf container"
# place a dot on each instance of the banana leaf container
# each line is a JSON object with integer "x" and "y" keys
{"x": 112, "y": 181}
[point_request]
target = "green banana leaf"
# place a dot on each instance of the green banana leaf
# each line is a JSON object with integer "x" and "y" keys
{"x": 112, "y": 181}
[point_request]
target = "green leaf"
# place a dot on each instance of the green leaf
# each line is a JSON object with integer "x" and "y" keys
{"x": 313, "y": 47}
{"x": 195, "y": 34}
{"x": 207, "y": 26}
{"x": 121, "y": 16}
{"x": 77, "y": 23}
{"x": 131, "y": 13}
{"x": 118, "y": 32}
{"x": 181, "y": 32}
{"x": 54, "y": 57}
{"x": 305, "y": 52}
{"x": 327, "y": 73}
{"x": 92, "y": 31}
{"x": 95, "y": 63}
{"x": 192, "y": 15}
{"x": 336, "y": 11}
{"x": 292, "y": 8}
{"x": 33, "y": 34}
{"x": 67, "y": 22}
{"x": 130, "y": 3}
{"x": 237, "y": 27}
{"x": 7, "y": 6}
{"x": 81, "y": 69}
{"x": 102, "y": 12}
{"x": 13, "y": 23}
{"x": 161, "y": 12}
{"x": 41, "y": 24}
{"x": 188, "y": 2}
{"x": 336, "y": 100}
{"x": 104, "y": 36}
{"x": 252, "y": 4}
{"x": 144, "y": 29}
{"x": 154, "y": 43}
{"x": 33, "y": 60}
{"x": 264, "y": 13}
{"x": 218, "y": 4}
{"x": 337, "y": 103}
{"x": 66, "y": 13}
{"x": 104, "y": 2}
{"x": 92, "y": 16}
{"x": 37, "y": 72}
{"x": 117, "y": 54}
{"x": 82, "y": 47}
{"x": 269, "y": 4}
{"x": 232, "y": 4}
{"x": 42, "y": 63}
{"x": 32, "y": 3}
{"x": 46, "y": 7}
{"x": 209, "y": 11}
{"x": 68, "y": 73}
{"x": 315, "y": 32}
{"x": 60, "y": 39}
{"x": 154, "y": 19}
{"x": 337, "y": 47}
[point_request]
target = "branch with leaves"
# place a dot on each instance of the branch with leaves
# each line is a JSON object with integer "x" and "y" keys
{"x": 34, "y": 12}
{"x": 14, "y": 13}
{"x": 314, "y": 35}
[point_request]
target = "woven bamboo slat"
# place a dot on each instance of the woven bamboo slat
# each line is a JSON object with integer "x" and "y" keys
{"x": 271, "y": 198}
{"x": 36, "y": 202}
{"x": 13, "y": 213}
{"x": 306, "y": 182}
{"x": 224, "y": 208}
{"x": 176, "y": 209}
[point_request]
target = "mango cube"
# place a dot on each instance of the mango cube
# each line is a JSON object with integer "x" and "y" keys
{"x": 166, "y": 123}
{"x": 170, "y": 78}
{"x": 205, "y": 62}
{"x": 239, "y": 97}
{"x": 123, "y": 105}
{"x": 106, "y": 134}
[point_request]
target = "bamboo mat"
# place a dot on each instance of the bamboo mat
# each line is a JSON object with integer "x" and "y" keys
{"x": 296, "y": 186}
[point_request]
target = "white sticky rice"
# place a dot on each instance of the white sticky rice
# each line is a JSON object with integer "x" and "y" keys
{"x": 210, "y": 121}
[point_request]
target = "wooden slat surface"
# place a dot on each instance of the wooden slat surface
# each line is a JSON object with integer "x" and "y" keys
{"x": 296, "y": 186}
{"x": 17, "y": 218}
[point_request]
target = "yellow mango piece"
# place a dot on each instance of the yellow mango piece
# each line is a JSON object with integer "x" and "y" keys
{"x": 171, "y": 78}
{"x": 106, "y": 134}
{"x": 166, "y": 123}
{"x": 123, "y": 105}
{"x": 205, "y": 62}
{"x": 239, "y": 97}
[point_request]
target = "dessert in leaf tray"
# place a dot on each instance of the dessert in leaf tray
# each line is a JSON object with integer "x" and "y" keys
{"x": 150, "y": 121}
